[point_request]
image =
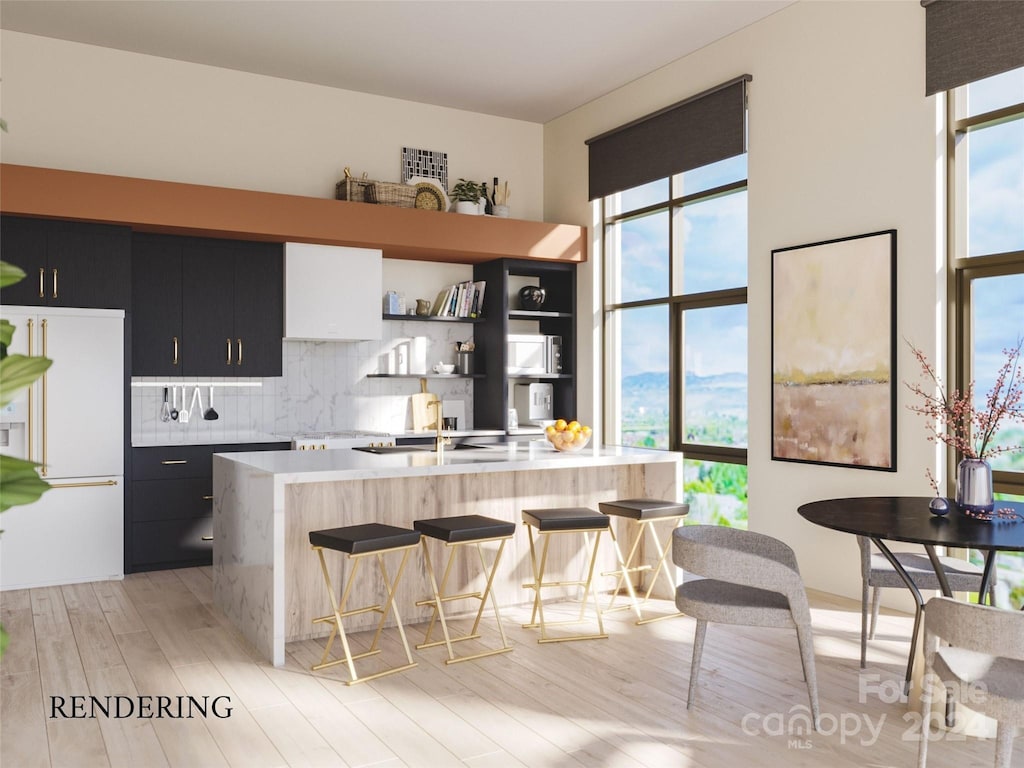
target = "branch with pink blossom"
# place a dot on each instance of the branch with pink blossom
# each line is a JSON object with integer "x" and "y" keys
{"x": 952, "y": 416}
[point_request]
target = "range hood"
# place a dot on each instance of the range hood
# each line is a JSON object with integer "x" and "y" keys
{"x": 332, "y": 292}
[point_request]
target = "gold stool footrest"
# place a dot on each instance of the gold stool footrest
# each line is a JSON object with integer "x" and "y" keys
{"x": 626, "y": 568}
{"x": 340, "y": 612}
{"x": 440, "y": 598}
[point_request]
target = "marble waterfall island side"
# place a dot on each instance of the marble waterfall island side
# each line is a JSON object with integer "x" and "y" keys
{"x": 268, "y": 582}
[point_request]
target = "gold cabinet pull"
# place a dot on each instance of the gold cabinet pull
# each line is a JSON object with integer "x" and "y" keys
{"x": 42, "y": 470}
{"x": 207, "y": 538}
{"x": 42, "y": 277}
{"x": 31, "y": 340}
{"x": 84, "y": 485}
{"x": 229, "y": 351}
{"x": 174, "y": 461}
{"x": 55, "y": 282}
{"x": 208, "y": 498}
{"x": 174, "y": 342}
{"x": 239, "y": 351}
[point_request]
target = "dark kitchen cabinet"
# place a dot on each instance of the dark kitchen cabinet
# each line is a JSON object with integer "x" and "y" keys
{"x": 557, "y": 317}
{"x": 211, "y": 307}
{"x": 170, "y": 519}
{"x": 156, "y": 314}
{"x": 67, "y": 263}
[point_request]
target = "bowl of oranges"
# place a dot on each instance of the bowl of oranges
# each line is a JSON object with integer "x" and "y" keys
{"x": 567, "y": 436}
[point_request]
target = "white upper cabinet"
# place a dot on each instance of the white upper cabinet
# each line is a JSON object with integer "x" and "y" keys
{"x": 332, "y": 293}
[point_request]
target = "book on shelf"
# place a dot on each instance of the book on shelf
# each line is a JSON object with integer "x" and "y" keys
{"x": 465, "y": 299}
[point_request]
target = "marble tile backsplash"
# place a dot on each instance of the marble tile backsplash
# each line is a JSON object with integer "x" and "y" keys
{"x": 325, "y": 387}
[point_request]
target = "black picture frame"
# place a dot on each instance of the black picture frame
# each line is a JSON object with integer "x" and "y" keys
{"x": 834, "y": 352}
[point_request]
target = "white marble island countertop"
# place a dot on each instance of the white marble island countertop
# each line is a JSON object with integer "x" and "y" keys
{"x": 350, "y": 464}
{"x": 266, "y": 503}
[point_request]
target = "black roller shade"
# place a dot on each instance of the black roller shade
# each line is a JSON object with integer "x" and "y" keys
{"x": 967, "y": 40}
{"x": 703, "y": 129}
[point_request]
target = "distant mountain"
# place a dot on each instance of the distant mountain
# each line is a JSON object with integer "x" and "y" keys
{"x": 642, "y": 382}
{"x": 721, "y": 393}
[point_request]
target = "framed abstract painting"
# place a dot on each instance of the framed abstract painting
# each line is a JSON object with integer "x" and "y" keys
{"x": 834, "y": 352}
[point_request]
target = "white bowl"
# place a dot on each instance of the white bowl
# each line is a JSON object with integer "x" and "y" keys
{"x": 444, "y": 368}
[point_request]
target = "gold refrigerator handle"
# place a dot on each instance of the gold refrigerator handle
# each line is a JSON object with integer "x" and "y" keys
{"x": 42, "y": 470}
{"x": 31, "y": 454}
{"x": 91, "y": 484}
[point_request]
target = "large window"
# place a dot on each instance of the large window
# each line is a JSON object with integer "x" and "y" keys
{"x": 675, "y": 277}
{"x": 986, "y": 236}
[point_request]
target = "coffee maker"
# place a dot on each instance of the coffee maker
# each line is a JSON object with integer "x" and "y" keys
{"x": 534, "y": 403}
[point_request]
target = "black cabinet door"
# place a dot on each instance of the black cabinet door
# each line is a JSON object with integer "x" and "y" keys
{"x": 23, "y": 243}
{"x": 67, "y": 264}
{"x": 89, "y": 265}
{"x": 259, "y": 309}
{"x": 157, "y": 345}
{"x": 208, "y": 287}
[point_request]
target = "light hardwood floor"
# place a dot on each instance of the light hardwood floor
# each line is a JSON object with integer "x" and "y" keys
{"x": 614, "y": 702}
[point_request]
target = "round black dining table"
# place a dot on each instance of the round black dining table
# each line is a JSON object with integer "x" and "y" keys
{"x": 908, "y": 518}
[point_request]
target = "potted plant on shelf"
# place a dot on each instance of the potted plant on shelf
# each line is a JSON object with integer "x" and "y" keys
{"x": 467, "y": 197}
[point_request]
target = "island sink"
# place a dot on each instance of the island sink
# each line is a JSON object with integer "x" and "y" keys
{"x": 381, "y": 449}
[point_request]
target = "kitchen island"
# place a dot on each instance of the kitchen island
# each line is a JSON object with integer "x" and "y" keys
{"x": 268, "y": 582}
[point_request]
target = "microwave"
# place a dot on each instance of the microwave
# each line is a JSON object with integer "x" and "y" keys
{"x": 534, "y": 354}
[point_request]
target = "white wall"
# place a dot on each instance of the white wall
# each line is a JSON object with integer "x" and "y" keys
{"x": 842, "y": 142}
{"x": 85, "y": 108}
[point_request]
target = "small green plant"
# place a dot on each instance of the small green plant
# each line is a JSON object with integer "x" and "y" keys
{"x": 466, "y": 191}
{"x": 19, "y": 481}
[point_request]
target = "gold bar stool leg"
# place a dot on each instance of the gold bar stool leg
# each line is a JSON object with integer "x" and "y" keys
{"x": 358, "y": 542}
{"x": 643, "y": 513}
{"x": 549, "y": 522}
{"x": 457, "y": 533}
{"x": 623, "y": 572}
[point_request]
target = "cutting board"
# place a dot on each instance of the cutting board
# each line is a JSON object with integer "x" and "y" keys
{"x": 424, "y": 415}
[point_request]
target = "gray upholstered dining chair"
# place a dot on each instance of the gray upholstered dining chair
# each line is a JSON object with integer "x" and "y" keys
{"x": 877, "y": 574}
{"x": 984, "y": 665}
{"x": 749, "y": 579}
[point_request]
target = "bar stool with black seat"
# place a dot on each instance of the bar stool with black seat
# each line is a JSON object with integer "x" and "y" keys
{"x": 562, "y": 520}
{"x": 458, "y": 532}
{"x": 643, "y": 513}
{"x": 359, "y": 542}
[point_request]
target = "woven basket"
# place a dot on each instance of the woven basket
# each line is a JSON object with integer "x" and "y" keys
{"x": 353, "y": 189}
{"x": 389, "y": 193}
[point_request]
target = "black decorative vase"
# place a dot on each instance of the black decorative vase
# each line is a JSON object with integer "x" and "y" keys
{"x": 532, "y": 297}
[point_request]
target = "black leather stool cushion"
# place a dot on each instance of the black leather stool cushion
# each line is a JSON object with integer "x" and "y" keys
{"x": 564, "y": 519}
{"x": 360, "y": 539}
{"x": 643, "y": 509}
{"x": 464, "y": 528}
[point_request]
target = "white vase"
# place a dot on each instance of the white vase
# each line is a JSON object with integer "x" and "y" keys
{"x": 464, "y": 206}
{"x": 974, "y": 485}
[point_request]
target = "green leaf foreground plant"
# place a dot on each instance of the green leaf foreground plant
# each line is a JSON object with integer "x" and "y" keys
{"x": 20, "y": 484}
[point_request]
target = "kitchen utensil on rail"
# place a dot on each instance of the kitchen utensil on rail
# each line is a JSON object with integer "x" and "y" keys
{"x": 174, "y": 408}
{"x": 424, "y": 415}
{"x": 183, "y": 414}
{"x": 210, "y": 414}
{"x": 165, "y": 410}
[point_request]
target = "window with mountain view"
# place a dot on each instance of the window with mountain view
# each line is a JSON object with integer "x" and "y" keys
{"x": 986, "y": 124}
{"x": 675, "y": 272}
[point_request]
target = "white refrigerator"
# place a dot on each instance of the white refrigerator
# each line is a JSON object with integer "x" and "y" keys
{"x": 72, "y": 422}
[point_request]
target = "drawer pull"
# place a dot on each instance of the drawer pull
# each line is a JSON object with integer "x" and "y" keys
{"x": 208, "y": 498}
{"x": 207, "y": 538}
{"x": 175, "y": 461}
{"x": 94, "y": 484}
